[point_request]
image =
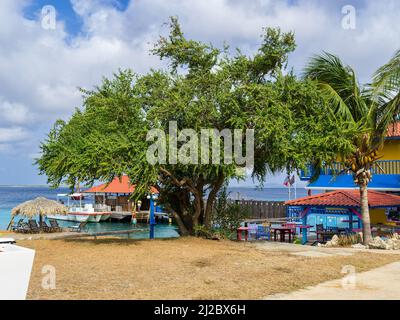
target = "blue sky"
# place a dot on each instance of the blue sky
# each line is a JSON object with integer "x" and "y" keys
{"x": 40, "y": 70}
{"x": 66, "y": 13}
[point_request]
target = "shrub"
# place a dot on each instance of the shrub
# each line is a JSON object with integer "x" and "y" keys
{"x": 348, "y": 240}
{"x": 227, "y": 215}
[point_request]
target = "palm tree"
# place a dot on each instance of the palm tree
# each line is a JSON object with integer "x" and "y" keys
{"x": 369, "y": 108}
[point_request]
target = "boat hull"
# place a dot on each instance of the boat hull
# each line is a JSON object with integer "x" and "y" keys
{"x": 94, "y": 218}
{"x": 70, "y": 217}
{"x": 105, "y": 217}
{"x": 121, "y": 216}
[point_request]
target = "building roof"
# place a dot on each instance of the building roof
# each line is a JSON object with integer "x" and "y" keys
{"x": 122, "y": 185}
{"x": 394, "y": 130}
{"x": 347, "y": 198}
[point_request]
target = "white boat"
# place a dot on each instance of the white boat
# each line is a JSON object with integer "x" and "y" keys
{"x": 86, "y": 213}
{"x": 69, "y": 217}
{"x": 105, "y": 216}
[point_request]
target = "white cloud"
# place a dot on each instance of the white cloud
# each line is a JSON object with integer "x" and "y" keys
{"x": 40, "y": 71}
{"x": 13, "y": 134}
{"x": 14, "y": 113}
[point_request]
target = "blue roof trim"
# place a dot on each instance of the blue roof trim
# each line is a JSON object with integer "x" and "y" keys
{"x": 383, "y": 182}
{"x": 393, "y": 138}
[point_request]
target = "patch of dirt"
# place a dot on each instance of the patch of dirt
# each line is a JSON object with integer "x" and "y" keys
{"x": 184, "y": 268}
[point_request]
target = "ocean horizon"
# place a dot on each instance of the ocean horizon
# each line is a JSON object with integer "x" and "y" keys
{"x": 13, "y": 195}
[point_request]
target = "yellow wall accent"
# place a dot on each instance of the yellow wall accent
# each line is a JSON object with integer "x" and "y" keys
{"x": 378, "y": 216}
{"x": 391, "y": 150}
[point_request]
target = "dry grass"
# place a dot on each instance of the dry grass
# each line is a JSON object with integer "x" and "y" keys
{"x": 186, "y": 268}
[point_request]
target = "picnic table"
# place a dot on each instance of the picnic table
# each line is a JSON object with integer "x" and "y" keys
{"x": 283, "y": 230}
{"x": 240, "y": 230}
{"x": 303, "y": 230}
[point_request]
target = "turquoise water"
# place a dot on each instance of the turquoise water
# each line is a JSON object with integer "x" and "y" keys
{"x": 11, "y": 196}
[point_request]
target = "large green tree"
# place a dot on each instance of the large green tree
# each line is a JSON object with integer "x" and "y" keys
{"x": 203, "y": 87}
{"x": 371, "y": 108}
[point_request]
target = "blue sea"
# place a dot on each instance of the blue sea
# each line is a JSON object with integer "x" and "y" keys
{"x": 11, "y": 196}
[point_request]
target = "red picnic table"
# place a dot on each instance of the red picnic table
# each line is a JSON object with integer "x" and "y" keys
{"x": 239, "y": 233}
{"x": 283, "y": 230}
{"x": 290, "y": 228}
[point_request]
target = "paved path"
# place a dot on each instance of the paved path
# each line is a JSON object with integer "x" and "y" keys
{"x": 378, "y": 284}
{"x": 314, "y": 251}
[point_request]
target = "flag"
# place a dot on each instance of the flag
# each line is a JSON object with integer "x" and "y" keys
{"x": 286, "y": 182}
{"x": 292, "y": 180}
{"x": 289, "y": 181}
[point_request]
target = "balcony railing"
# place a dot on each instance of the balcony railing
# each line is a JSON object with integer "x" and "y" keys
{"x": 388, "y": 167}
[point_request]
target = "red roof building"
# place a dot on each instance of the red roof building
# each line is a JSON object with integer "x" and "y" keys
{"x": 347, "y": 198}
{"x": 394, "y": 130}
{"x": 120, "y": 186}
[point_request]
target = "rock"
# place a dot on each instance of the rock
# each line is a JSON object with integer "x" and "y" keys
{"x": 389, "y": 244}
{"x": 215, "y": 237}
{"x": 334, "y": 242}
{"x": 396, "y": 236}
{"x": 378, "y": 243}
{"x": 359, "y": 246}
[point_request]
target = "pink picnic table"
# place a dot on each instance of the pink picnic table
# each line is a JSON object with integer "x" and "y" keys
{"x": 240, "y": 230}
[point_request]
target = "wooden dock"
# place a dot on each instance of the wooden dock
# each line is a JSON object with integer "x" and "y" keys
{"x": 73, "y": 235}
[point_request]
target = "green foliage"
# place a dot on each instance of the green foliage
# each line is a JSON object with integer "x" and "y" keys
{"x": 348, "y": 240}
{"x": 368, "y": 108}
{"x": 203, "y": 87}
{"x": 296, "y": 240}
{"x": 203, "y": 232}
{"x": 227, "y": 215}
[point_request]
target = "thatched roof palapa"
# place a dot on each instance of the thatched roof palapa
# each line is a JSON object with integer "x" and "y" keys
{"x": 39, "y": 206}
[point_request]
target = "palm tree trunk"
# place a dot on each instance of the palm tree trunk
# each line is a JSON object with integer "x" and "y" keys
{"x": 367, "y": 235}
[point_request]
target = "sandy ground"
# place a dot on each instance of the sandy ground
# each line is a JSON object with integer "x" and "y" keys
{"x": 185, "y": 268}
{"x": 378, "y": 284}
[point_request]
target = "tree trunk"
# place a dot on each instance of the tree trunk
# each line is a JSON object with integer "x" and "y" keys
{"x": 197, "y": 209}
{"x": 211, "y": 200}
{"x": 367, "y": 235}
{"x": 182, "y": 228}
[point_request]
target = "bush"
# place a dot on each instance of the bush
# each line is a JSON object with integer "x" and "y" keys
{"x": 348, "y": 240}
{"x": 227, "y": 215}
{"x": 226, "y": 218}
{"x": 203, "y": 232}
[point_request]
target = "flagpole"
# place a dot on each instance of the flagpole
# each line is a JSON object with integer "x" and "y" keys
{"x": 295, "y": 188}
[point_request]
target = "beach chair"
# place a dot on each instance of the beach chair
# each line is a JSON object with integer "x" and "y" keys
{"x": 321, "y": 231}
{"x": 19, "y": 224}
{"x": 55, "y": 226}
{"x": 78, "y": 228}
{"x": 44, "y": 227}
{"x": 34, "y": 228}
{"x": 23, "y": 228}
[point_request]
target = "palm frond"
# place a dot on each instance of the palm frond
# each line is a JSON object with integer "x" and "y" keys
{"x": 339, "y": 84}
{"x": 387, "y": 78}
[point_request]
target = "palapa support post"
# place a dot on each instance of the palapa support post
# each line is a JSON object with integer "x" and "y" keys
{"x": 40, "y": 219}
{"x": 10, "y": 224}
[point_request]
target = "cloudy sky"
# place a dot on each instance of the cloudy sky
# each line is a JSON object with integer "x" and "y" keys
{"x": 41, "y": 67}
